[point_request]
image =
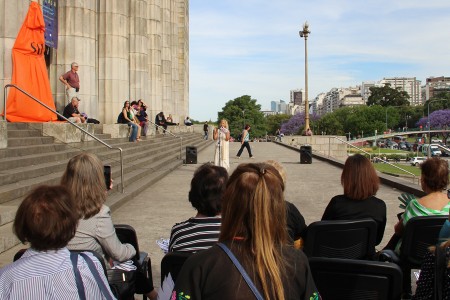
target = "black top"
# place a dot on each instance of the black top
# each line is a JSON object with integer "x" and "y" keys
{"x": 296, "y": 225}
{"x": 210, "y": 274}
{"x": 69, "y": 110}
{"x": 343, "y": 208}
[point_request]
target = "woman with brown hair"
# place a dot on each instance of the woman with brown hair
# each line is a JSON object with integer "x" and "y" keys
{"x": 254, "y": 230}
{"x": 47, "y": 220}
{"x": 84, "y": 177}
{"x": 360, "y": 182}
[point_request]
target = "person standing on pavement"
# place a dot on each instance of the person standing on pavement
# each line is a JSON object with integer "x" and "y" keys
{"x": 245, "y": 142}
{"x": 71, "y": 81}
{"x": 222, "y": 136}
{"x": 206, "y": 130}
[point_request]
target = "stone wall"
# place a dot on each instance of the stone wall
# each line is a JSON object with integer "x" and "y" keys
{"x": 323, "y": 144}
{"x": 135, "y": 49}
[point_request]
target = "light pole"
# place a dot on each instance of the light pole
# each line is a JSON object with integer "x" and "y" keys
{"x": 304, "y": 34}
{"x": 428, "y": 118}
{"x": 243, "y": 116}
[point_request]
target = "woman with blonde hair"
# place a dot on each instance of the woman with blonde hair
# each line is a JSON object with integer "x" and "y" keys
{"x": 222, "y": 136}
{"x": 254, "y": 231}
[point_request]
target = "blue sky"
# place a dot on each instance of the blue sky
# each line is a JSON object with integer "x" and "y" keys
{"x": 252, "y": 47}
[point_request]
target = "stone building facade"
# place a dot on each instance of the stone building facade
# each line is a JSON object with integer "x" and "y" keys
{"x": 133, "y": 49}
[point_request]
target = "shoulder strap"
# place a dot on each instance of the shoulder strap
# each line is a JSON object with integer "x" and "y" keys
{"x": 439, "y": 267}
{"x": 78, "y": 280}
{"x": 98, "y": 279}
{"x": 241, "y": 270}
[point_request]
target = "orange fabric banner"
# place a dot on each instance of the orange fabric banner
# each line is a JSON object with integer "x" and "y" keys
{"x": 30, "y": 73}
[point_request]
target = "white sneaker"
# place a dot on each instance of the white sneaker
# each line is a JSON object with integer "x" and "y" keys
{"x": 238, "y": 157}
{"x": 252, "y": 157}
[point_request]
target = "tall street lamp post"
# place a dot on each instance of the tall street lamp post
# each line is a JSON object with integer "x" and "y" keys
{"x": 304, "y": 34}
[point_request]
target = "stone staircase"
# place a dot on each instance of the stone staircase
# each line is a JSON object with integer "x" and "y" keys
{"x": 32, "y": 159}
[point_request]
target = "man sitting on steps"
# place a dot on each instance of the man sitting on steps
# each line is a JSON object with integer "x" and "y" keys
{"x": 71, "y": 112}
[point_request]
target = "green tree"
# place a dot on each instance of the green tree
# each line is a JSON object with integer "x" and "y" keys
{"x": 387, "y": 96}
{"x": 244, "y": 110}
{"x": 442, "y": 102}
{"x": 274, "y": 122}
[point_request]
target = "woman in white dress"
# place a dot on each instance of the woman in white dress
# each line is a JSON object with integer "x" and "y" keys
{"x": 222, "y": 136}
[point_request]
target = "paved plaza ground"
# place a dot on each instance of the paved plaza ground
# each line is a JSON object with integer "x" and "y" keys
{"x": 157, "y": 209}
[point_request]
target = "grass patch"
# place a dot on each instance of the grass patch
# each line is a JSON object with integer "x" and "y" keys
{"x": 386, "y": 168}
{"x": 380, "y": 150}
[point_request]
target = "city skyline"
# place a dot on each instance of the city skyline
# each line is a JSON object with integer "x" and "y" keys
{"x": 253, "y": 47}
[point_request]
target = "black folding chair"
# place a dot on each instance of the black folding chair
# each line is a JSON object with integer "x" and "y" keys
{"x": 127, "y": 234}
{"x": 351, "y": 279}
{"x": 172, "y": 263}
{"x": 350, "y": 239}
{"x": 418, "y": 235}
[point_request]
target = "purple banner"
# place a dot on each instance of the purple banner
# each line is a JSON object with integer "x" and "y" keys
{"x": 50, "y": 12}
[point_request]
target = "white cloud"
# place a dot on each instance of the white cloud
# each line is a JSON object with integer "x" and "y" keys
{"x": 253, "y": 47}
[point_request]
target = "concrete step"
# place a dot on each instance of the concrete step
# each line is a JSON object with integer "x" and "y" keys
{"x": 29, "y": 141}
{"x": 25, "y": 167}
{"x": 20, "y": 133}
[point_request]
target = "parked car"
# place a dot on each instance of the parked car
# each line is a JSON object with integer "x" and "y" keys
{"x": 436, "y": 141}
{"x": 418, "y": 160}
{"x": 409, "y": 146}
{"x": 391, "y": 144}
{"x": 402, "y": 146}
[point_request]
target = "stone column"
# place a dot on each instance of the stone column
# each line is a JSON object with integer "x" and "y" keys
{"x": 155, "y": 57}
{"x": 77, "y": 32}
{"x": 166, "y": 57}
{"x": 183, "y": 57}
{"x": 113, "y": 58}
{"x": 138, "y": 35}
{"x": 12, "y": 15}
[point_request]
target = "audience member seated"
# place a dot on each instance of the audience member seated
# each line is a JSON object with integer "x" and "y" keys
{"x": 142, "y": 117}
{"x": 125, "y": 117}
{"x": 295, "y": 221}
{"x": 169, "y": 118}
{"x": 434, "y": 180}
{"x": 426, "y": 288}
{"x": 254, "y": 231}
{"x": 85, "y": 179}
{"x": 161, "y": 121}
{"x": 71, "y": 112}
{"x": 47, "y": 220}
{"x": 133, "y": 112}
{"x": 187, "y": 122}
{"x": 202, "y": 231}
{"x": 360, "y": 182}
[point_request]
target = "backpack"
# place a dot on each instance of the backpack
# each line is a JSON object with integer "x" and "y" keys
{"x": 120, "y": 119}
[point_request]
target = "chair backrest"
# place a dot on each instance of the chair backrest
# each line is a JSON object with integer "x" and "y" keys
{"x": 419, "y": 234}
{"x": 351, "y": 239}
{"x": 351, "y": 279}
{"x": 127, "y": 234}
{"x": 172, "y": 263}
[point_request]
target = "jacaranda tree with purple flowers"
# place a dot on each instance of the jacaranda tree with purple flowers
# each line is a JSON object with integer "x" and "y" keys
{"x": 296, "y": 124}
{"x": 439, "y": 119}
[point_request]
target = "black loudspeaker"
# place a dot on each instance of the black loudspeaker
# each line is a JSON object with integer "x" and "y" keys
{"x": 191, "y": 155}
{"x": 305, "y": 155}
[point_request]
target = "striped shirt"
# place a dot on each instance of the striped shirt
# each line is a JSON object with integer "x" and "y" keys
{"x": 48, "y": 275}
{"x": 415, "y": 209}
{"x": 195, "y": 234}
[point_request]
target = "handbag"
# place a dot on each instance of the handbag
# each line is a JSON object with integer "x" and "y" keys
{"x": 122, "y": 283}
{"x": 244, "y": 274}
